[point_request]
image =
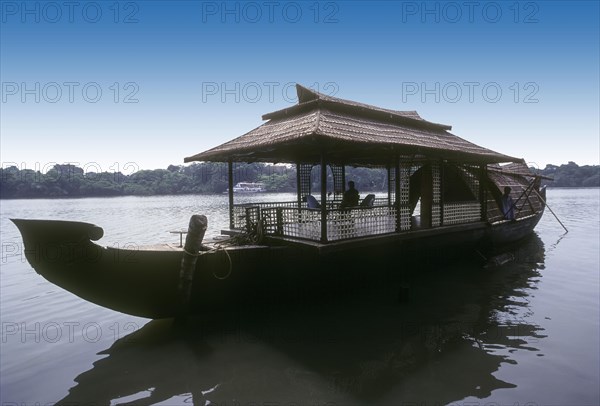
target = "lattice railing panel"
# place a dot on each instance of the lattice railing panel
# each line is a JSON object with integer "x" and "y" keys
{"x": 464, "y": 212}
{"x": 338, "y": 180}
{"x": 406, "y": 169}
{"x": 470, "y": 174}
{"x": 304, "y": 179}
{"x": 404, "y": 218}
{"x": 240, "y": 211}
{"x": 246, "y": 216}
{"x": 341, "y": 224}
{"x": 292, "y": 222}
{"x": 305, "y": 224}
{"x": 391, "y": 184}
{"x": 360, "y": 222}
{"x": 437, "y": 193}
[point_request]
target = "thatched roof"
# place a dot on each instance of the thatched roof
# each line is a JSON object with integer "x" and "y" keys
{"x": 347, "y": 132}
{"x": 517, "y": 169}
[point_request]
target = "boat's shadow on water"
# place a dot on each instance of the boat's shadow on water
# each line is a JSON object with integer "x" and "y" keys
{"x": 430, "y": 336}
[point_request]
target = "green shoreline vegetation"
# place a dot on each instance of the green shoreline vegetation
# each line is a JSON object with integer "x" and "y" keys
{"x": 209, "y": 178}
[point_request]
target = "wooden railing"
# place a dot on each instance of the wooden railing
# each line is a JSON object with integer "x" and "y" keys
{"x": 285, "y": 219}
{"x": 461, "y": 212}
{"x": 342, "y": 224}
{"x": 247, "y": 214}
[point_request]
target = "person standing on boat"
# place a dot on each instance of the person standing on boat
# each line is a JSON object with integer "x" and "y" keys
{"x": 508, "y": 206}
{"x": 351, "y": 196}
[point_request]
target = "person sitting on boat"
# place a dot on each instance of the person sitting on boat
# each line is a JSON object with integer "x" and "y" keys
{"x": 508, "y": 206}
{"x": 351, "y": 196}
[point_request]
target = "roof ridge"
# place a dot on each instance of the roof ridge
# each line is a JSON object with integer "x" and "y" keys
{"x": 308, "y": 98}
{"x": 306, "y": 94}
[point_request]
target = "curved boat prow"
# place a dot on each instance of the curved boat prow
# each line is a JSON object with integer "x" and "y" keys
{"x": 64, "y": 254}
{"x": 57, "y": 230}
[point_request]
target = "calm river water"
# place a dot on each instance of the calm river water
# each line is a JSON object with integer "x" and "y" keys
{"x": 526, "y": 333}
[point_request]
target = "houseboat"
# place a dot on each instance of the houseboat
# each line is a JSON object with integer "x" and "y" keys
{"x": 443, "y": 194}
{"x": 249, "y": 187}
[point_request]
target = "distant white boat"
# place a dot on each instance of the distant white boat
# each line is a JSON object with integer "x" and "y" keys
{"x": 248, "y": 187}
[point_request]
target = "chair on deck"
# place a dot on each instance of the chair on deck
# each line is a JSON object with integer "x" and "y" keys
{"x": 312, "y": 202}
{"x": 368, "y": 201}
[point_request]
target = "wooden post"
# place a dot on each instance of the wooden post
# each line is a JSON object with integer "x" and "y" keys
{"x": 343, "y": 179}
{"x": 398, "y": 196}
{"x": 279, "y": 217}
{"x": 482, "y": 192}
{"x": 389, "y": 184}
{"x": 230, "y": 184}
{"x": 298, "y": 185}
{"x": 193, "y": 244}
{"x": 441, "y": 169}
{"x": 426, "y": 195}
{"x": 323, "y": 198}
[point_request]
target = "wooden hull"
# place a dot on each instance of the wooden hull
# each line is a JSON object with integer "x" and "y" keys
{"x": 145, "y": 283}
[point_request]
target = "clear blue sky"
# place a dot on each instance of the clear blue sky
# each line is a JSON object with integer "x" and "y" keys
{"x": 106, "y": 83}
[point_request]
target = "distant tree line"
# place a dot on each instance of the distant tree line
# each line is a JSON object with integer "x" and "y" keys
{"x": 72, "y": 181}
{"x": 208, "y": 177}
{"x": 572, "y": 175}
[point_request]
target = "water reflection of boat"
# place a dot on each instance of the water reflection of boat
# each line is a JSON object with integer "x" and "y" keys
{"x": 443, "y": 346}
{"x": 444, "y": 194}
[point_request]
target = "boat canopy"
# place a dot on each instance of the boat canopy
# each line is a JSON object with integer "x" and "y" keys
{"x": 348, "y": 133}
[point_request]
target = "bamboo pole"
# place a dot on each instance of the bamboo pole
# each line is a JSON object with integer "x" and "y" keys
{"x": 514, "y": 205}
{"x": 551, "y": 211}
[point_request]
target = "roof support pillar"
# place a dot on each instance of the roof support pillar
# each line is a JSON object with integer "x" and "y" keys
{"x": 442, "y": 186}
{"x": 389, "y": 183}
{"x": 303, "y": 183}
{"x": 230, "y": 184}
{"x": 483, "y": 193}
{"x": 398, "y": 194}
{"x": 323, "y": 197}
{"x": 299, "y": 185}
